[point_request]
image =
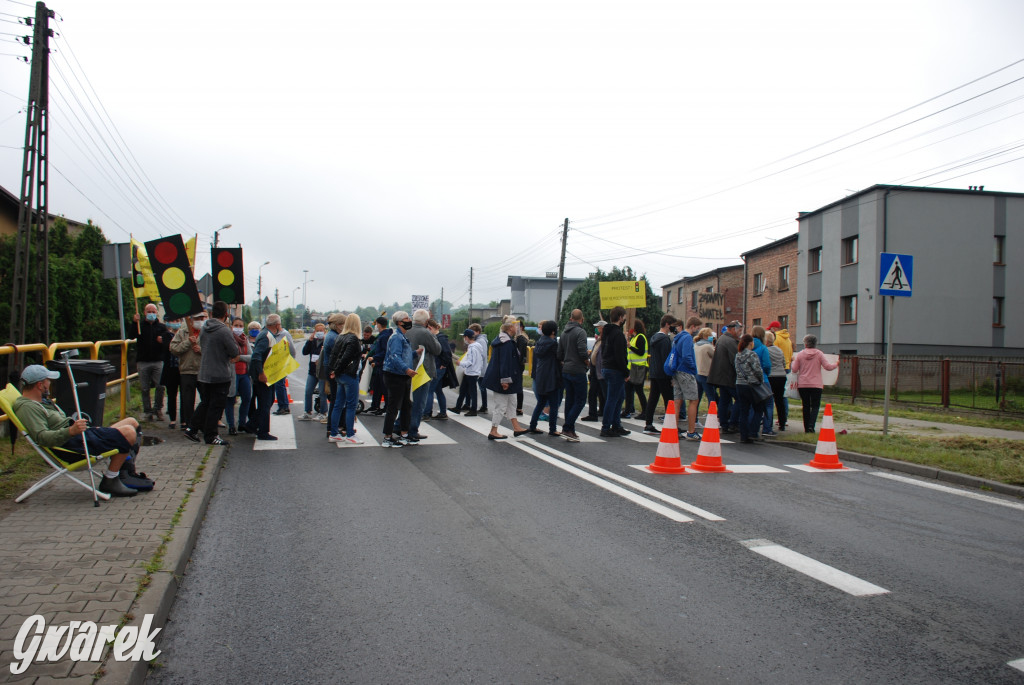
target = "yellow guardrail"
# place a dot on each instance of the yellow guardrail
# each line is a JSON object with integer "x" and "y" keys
{"x": 51, "y": 352}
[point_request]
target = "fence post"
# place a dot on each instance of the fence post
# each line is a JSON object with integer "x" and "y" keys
{"x": 855, "y": 377}
{"x": 945, "y": 383}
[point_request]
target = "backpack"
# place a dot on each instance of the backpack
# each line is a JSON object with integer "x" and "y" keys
{"x": 669, "y": 367}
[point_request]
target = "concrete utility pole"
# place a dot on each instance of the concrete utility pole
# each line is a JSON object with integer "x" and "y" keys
{"x": 276, "y": 301}
{"x": 471, "y": 294}
{"x": 561, "y": 269}
{"x": 34, "y": 183}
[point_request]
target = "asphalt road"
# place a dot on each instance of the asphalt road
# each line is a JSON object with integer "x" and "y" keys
{"x": 481, "y": 561}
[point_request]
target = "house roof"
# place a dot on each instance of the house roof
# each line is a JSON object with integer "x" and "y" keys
{"x": 714, "y": 272}
{"x": 777, "y": 243}
{"x": 916, "y": 189}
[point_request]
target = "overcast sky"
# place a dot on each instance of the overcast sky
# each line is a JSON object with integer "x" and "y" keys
{"x": 387, "y": 146}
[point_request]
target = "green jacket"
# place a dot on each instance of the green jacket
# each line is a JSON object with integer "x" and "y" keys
{"x": 44, "y": 421}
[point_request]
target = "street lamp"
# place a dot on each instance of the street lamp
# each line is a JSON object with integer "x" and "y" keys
{"x": 305, "y": 280}
{"x": 259, "y": 288}
{"x": 222, "y": 228}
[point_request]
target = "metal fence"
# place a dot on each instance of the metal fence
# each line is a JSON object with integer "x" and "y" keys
{"x": 989, "y": 385}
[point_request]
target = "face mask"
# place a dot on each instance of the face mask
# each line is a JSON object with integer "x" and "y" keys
{"x": 237, "y": 331}
{"x": 319, "y": 335}
{"x": 254, "y": 333}
{"x": 671, "y": 329}
{"x": 406, "y": 325}
{"x": 150, "y": 316}
{"x": 198, "y": 325}
{"x": 174, "y": 326}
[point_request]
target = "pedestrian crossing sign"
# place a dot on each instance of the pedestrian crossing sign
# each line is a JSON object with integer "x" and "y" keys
{"x": 897, "y": 272}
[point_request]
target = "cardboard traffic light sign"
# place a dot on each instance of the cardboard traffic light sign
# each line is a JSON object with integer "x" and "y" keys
{"x": 173, "y": 275}
{"x": 228, "y": 284}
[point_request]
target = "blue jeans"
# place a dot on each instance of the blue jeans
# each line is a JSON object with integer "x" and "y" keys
{"x": 243, "y": 388}
{"x": 747, "y": 411}
{"x": 313, "y": 385}
{"x": 727, "y": 416}
{"x": 483, "y": 394}
{"x": 420, "y": 397}
{"x": 437, "y": 390}
{"x": 281, "y": 393}
{"x": 347, "y": 395}
{"x": 769, "y": 415}
{"x": 616, "y": 382}
{"x": 550, "y": 400}
{"x": 575, "y": 398}
{"x": 708, "y": 390}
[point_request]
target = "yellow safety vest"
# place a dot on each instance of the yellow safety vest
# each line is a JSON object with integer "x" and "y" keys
{"x": 638, "y": 359}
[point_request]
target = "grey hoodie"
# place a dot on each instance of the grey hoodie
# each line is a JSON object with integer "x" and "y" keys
{"x": 218, "y": 349}
{"x": 572, "y": 349}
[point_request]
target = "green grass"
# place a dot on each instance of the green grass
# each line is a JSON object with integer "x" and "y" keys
{"x": 991, "y": 458}
{"x": 954, "y": 417}
{"x": 961, "y": 399}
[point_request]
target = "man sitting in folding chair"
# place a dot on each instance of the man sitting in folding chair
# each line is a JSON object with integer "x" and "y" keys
{"x": 48, "y": 426}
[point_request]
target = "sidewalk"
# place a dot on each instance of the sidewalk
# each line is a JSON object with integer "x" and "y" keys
{"x": 66, "y": 560}
{"x": 857, "y": 421}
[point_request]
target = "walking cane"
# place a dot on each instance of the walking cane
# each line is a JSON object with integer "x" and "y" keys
{"x": 78, "y": 411}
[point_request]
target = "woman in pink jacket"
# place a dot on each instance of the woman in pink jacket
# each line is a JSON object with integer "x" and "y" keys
{"x": 808, "y": 363}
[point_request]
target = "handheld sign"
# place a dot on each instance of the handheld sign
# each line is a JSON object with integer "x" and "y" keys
{"x": 897, "y": 274}
{"x": 623, "y": 294}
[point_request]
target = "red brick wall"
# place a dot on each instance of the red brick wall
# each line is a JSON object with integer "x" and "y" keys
{"x": 773, "y": 303}
{"x": 716, "y": 308}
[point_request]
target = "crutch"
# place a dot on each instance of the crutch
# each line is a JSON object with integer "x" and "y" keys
{"x": 78, "y": 411}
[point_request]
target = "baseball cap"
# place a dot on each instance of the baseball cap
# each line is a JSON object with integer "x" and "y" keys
{"x": 774, "y": 324}
{"x": 34, "y": 373}
{"x": 734, "y": 324}
{"x": 600, "y": 323}
{"x": 469, "y": 333}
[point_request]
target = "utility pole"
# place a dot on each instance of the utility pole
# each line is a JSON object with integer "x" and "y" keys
{"x": 34, "y": 183}
{"x": 441, "y": 315}
{"x": 471, "y": 294}
{"x": 561, "y": 269}
{"x": 276, "y": 310}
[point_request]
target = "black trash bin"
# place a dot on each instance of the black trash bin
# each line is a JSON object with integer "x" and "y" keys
{"x": 91, "y": 378}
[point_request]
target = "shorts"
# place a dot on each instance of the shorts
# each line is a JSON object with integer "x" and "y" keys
{"x": 101, "y": 439}
{"x": 684, "y": 386}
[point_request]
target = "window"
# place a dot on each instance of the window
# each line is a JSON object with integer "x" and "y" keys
{"x": 758, "y": 284}
{"x": 783, "y": 278}
{"x": 849, "y": 307}
{"x": 680, "y": 296}
{"x": 850, "y": 251}
{"x": 784, "y": 320}
{"x": 998, "y": 259}
{"x": 756, "y": 322}
{"x": 814, "y": 313}
{"x": 997, "y": 311}
{"x": 709, "y": 289}
{"x": 814, "y": 260}
{"x": 693, "y": 300}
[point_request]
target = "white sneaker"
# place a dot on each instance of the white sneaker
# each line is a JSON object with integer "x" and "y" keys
{"x": 322, "y": 418}
{"x": 306, "y": 416}
{"x": 352, "y": 441}
{"x": 336, "y": 438}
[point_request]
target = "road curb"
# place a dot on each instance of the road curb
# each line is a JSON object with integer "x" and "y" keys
{"x": 158, "y": 598}
{"x": 917, "y": 470}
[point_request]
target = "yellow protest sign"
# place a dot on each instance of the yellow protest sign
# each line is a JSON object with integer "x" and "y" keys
{"x": 279, "y": 363}
{"x": 623, "y": 294}
{"x": 421, "y": 376}
{"x": 142, "y": 273}
{"x": 190, "y": 250}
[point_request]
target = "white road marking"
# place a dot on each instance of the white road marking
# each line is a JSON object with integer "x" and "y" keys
{"x": 434, "y": 436}
{"x": 813, "y": 568}
{"x": 735, "y": 468}
{"x": 952, "y": 491}
{"x": 811, "y": 469}
{"x": 1016, "y": 663}
{"x": 283, "y": 426}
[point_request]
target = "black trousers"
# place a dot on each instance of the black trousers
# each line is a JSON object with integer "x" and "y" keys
{"x": 467, "y": 393}
{"x": 811, "y": 398}
{"x": 660, "y": 387}
{"x": 399, "y": 404}
{"x": 595, "y": 398}
{"x": 264, "y": 399}
{"x": 213, "y": 397}
{"x": 188, "y": 397}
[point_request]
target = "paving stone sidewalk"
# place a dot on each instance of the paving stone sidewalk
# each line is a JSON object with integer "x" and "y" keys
{"x": 67, "y": 560}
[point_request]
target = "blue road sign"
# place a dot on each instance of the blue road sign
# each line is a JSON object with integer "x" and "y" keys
{"x": 897, "y": 274}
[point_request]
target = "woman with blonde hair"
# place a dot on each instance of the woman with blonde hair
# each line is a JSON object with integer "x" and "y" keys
{"x": 504, "y": 377}
{"x": 344, "y": 366}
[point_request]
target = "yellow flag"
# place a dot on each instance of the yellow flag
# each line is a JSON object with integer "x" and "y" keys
{"x": 142, "y": 271}
{"x": 190, "y": 250}
{"x": 279, "y": 362}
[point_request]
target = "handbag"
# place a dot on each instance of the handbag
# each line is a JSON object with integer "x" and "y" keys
{"x": 792, "y": 392}
{"x": 763, "y": 392}
{"x": 637, "y": 374}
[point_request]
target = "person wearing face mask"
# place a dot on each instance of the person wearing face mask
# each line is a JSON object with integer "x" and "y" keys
{"x": 149, "y": 347}
{"x": 216, "y": 374}
{"x": 185, "y": 345}
{"x": 170, "y": 377}
{"x": 661, "y": 383}
{"x": 264, "y": 393}
{"x": 249, "y": 416}
{"x": 399, "y": 368}
{"x": 241, "y": 386}
{"x": 376, "y": 357}
{"x": 313, "y": 348}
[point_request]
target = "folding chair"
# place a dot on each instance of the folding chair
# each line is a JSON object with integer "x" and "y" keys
{"x": 63, "y": 461}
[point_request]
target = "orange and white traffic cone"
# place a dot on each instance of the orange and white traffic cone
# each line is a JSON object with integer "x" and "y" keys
{"x": 667, "y": 460}
{"x": 826, "y": 456}
{"x": 709, "y": 454}
{"x": 287, "y": 391}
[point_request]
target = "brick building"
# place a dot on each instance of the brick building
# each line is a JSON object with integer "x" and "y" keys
{"x": 715, "y": 296}
{"x": 771, "y": 280}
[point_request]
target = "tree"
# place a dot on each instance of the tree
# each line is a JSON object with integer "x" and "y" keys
{"x": 587, "y": 297}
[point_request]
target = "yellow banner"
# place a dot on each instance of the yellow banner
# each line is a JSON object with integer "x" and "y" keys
{"x": 148, "y": 288}
{"x": 190, "y": 250}
{"x": 279, "y": 363}
{"x": 623, "y": 294}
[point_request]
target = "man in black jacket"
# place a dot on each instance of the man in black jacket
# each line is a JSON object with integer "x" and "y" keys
{"x": 661, "y": 383}
{"x": 150, "y": 349}
{"x": 723, "y": 375}
{"x": 616, "y": 370}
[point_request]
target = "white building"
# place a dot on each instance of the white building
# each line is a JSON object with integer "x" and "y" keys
{"x": 533, "y": 297}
